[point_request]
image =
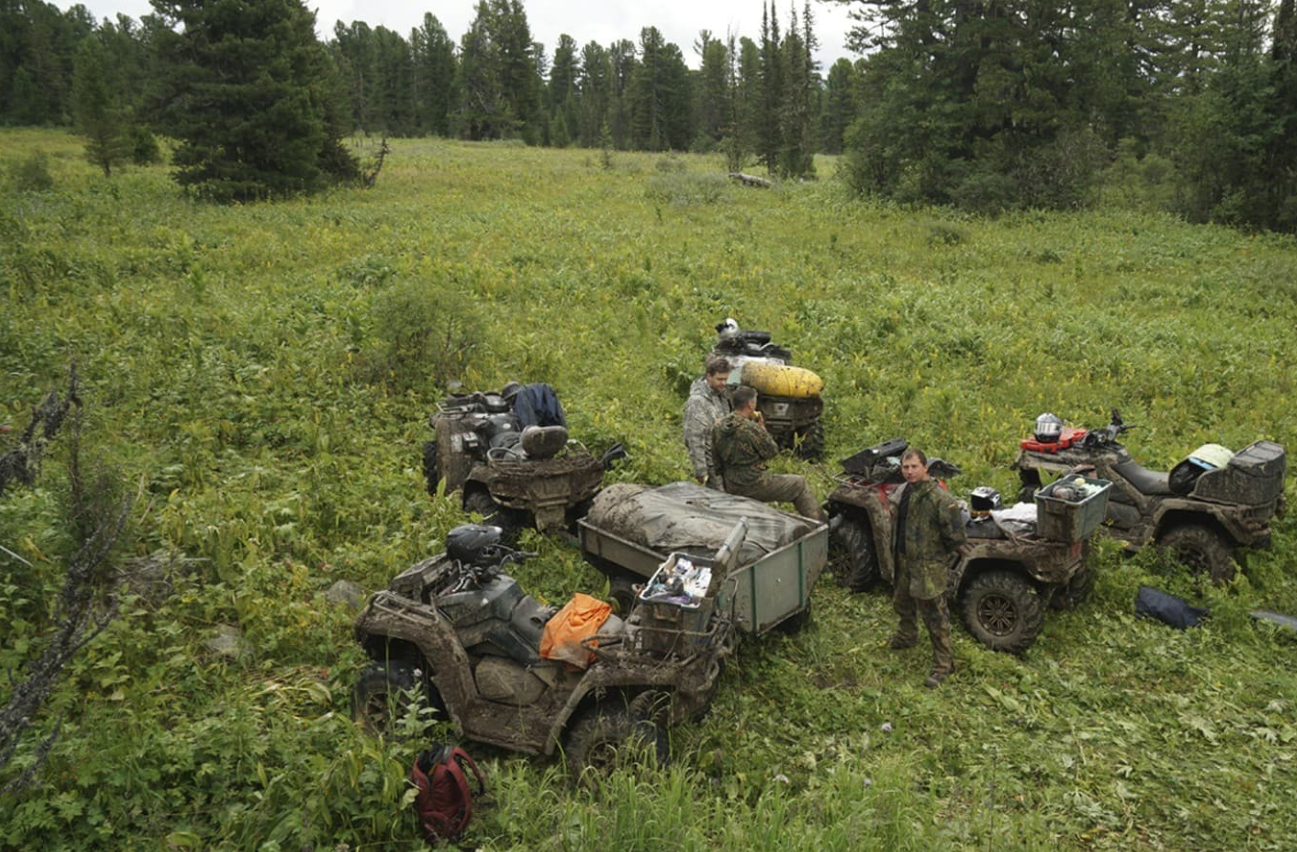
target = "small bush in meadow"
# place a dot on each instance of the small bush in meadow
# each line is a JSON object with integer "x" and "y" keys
{"x": 682, "y": 189}
{"x": 33, "y": 173}
{"x": 427, "y": 333}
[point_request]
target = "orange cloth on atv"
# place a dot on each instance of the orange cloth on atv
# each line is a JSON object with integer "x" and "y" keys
{"x": 582, "y": 617}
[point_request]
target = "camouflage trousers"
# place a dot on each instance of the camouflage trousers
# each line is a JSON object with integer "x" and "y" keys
{"x": 784, "y": 488}
{"x": 936, "y": 615}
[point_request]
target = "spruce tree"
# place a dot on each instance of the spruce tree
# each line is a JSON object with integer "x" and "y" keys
{"x": 96, "y": 109}
{"x": 249, "y": 94}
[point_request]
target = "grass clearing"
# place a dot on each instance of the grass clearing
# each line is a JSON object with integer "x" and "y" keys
{"x": 238, "y": 360}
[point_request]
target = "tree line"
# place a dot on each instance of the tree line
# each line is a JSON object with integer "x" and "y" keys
{"x": 987, "y": 105}
{"x": 991, "y": 104}
{"x": 758, "y": 99}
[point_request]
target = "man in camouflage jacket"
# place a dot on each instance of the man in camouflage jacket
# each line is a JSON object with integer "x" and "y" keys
{"x": 741, "y": 446}
{"x": 927, "y": 534}
{"x": 708, "y": 402}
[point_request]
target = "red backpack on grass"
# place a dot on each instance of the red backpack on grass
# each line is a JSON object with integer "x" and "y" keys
{"x": 444, "y": 802}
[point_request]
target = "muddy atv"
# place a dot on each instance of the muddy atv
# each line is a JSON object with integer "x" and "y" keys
{"x": 1011, "y": 574}
{"x": 788, "y": 397}
{"x": 1201, "y": 511}
{"x": 513, "y": 466}
{"x": 457, "y": 630}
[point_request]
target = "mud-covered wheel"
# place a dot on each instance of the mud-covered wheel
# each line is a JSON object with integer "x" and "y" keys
{"x": 796, "y": 622}
{"x": 609, "y": 736}
{"x": 1202, "y": 550}
{"x": 1030, "y": 484}
{"x": 509, "y": 521}
{"x": 809, "y": 443}
{"x": 380, "y": 694}
{"x": 1003, "y": 611}
{"x": 1076, "y": 591}
{"x": 431, "y": 467}
{"x": 854, "y": 559}
{"x": 622, "y": 592}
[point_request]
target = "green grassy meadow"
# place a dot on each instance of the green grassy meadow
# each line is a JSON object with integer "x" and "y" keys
{"x": 263, "y": 376}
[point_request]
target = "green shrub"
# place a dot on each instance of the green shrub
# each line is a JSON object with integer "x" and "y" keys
{"x": 427, "y": 333}
{"x": 33, "y": 173}
{"x": 683, "y": 189}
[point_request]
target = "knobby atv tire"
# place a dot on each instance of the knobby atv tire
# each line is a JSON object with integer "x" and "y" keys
{"x": 608, "y": 736}
{"x": 1202, "y": 550}
{"x": 1003, "y": 611}
{"x": 431, "y": 467}
{"x": 1076, "y": 591}
{"x": 380, "y": 693}
{"x": 809, "y": 442}
{"x": 509, "y": 521}
{"x": 856, "y": 563}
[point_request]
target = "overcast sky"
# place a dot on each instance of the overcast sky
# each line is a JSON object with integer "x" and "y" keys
{"x": 604, "y": 21}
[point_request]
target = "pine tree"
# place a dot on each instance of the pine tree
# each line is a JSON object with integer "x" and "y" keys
{"x": 247, "y": 94}
{"x": 713, "y": 91}
{"x": 839, "y": 106}
{"x": 594, "y": 82}
{"x": 434, "y": 92}
{"x": 96, "y": 107}
{"x": 563, "y": 97}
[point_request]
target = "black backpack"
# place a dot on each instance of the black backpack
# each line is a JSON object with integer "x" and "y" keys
{"x": 1168, "y": 609}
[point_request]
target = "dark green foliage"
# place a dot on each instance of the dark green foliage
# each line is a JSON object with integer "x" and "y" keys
{"x": 37, "y": 45}
{"x": 839, "y": 106}
{"x": 561, "y": 95}
{"x": 248, "y": 95}
{"x": 429, "y": 332}
{"x": 659, "y": 95}
{"x": 434, "y": 92}
{"x": 499, "y": 82}
{"x": 1236, "y": 135}
{"x": 32, "y": 174}
{"x": 97, "y": 111}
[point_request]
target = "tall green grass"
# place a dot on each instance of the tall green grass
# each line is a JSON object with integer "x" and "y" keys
{"x": 241, "y": 361}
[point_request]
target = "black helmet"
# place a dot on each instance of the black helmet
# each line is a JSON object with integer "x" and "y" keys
{"x": 1048, "y": 428}
{"x": 985, "y": 498}
{"x": 474, "y": 544}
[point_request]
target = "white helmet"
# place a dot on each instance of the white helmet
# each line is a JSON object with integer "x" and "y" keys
{"x": 1048, "y": 428}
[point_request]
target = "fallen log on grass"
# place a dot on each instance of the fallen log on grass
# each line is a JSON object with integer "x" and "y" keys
{"x": 751, "y": 180}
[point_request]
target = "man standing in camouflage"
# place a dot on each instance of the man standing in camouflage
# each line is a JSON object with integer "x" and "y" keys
{"x": 708, "y": 402}
{"x": 741, "y": 446}
{"x": 928, "y": 531}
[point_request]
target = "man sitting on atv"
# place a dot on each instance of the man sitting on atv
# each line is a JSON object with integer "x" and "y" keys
{"x": 740, "y": 448}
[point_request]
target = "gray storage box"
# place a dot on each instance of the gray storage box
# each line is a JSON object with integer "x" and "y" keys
{"x": 1253, "y": 477}
{"x": 670, "y": 627}
{"x": 1065, "y": 520}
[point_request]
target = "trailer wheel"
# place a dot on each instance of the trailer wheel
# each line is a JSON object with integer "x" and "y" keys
{"x": 797, "y": 622}
{"x": 1003, "y": 611}
{"x": 1202, "y": 550}
{"x": 608, "y": 736}
{"x": 855, "y": 562}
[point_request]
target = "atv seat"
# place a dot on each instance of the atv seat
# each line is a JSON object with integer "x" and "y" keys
{"x": 1150, "y": 482}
